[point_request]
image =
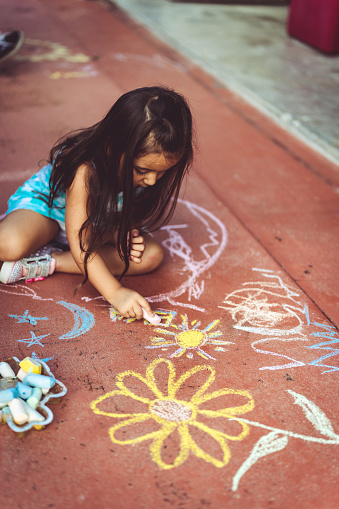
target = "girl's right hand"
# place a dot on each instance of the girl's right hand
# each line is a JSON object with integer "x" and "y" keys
{"x": 130, "y": 303}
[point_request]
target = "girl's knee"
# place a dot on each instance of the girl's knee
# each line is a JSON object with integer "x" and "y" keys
{"x": 11, "y": 248}
{"x": 153, "y": 257}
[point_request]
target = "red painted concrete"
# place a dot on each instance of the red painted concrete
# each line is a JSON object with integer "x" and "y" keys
{"x": 263, "y": 224}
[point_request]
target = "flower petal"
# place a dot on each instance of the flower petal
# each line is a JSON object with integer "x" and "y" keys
{"x": 156, "y": 446}
{"x": 176, "y": 386}
{"x": 128, "y": 392}
{"x": 129, "y": 422}
{"x": 111, "y": 394}
{"x": 227, "y": 412}
{"x": 217, "y": 436}
{"x": 151, "y": 379}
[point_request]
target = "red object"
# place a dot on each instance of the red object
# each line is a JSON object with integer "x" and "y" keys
{"x": 315, "y": 22}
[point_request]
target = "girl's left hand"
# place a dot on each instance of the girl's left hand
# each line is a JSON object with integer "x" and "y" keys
{"x": 137, "y": 247}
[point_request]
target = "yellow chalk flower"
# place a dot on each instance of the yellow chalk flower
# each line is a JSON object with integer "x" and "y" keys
{"x": 172, "y": 413}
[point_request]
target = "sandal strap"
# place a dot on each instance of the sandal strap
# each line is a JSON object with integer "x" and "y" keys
{"x": 37, "y": 264}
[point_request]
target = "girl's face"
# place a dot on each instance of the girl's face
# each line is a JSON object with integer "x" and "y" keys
{"x": 151, "y": 167}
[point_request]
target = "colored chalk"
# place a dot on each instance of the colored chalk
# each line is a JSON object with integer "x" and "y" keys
{"x": 24, "y": 391}
{"x": 33, "y": 415}
{"x": 6, "y": 370}
{"x": 7, "y": 395}
{"x": 155, "y": 320}
{"x": 21, "y": 374}
{"x": 19, "y": 414}
{"x": 30, "y": 365}
{"x": 42, "y": 381}
{"x": 34, "y": 400}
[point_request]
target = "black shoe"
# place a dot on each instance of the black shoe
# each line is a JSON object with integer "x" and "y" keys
{"x": 10, "y": 43}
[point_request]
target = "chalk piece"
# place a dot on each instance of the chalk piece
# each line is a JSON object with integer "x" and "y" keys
{"x": 21, "y": 374}
{"x": 33, "y": 415}
{"x": 154, "y": 321}
{"x": 34, "y": 400}
{"x": 30, "y": 365}
{"x": 19, "y": 414}
{"x": 7, "y": 395}
{"x": 6, "y": 370}
{"x": 24, "y": 391}
{"x": 42, "y": 381}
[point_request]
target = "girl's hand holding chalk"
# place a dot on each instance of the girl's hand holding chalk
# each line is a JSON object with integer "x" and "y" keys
{"x": 130, "y": 304}
{"x": 154, "y": 320}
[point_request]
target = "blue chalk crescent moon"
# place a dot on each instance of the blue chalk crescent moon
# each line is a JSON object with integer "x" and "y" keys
{"x": 83, "y": 320}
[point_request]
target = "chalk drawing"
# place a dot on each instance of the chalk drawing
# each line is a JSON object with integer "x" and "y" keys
{"x": 26, "y": 318}
{"x": 255, "y": 308}
{"x": 277, "y": 439}
{"x": 33, "y": 340}
{"x": 83, "y": 320}
{"x": 188, "y": 339}
{"x": 330, "y": 333}
{"x": 170, "y": 413}
{"x": 156, "y": 60}
{"x": 194, "y": 266}
{"x": 271, "y": 309}
{"x": 46, "y": 359}
{"x": 210, "y": 251}
{"x": 50, "y": 51}
{"x": 22, "y": 290}
{"x": 86, "y": 71}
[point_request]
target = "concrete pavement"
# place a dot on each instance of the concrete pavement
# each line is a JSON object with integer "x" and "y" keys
{"x": 231, "y": 401}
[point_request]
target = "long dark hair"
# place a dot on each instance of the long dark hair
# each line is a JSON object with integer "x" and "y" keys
{"x": 143, "y": 121}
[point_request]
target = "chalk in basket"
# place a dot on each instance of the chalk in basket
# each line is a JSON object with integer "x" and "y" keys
{"x": 25, "y": 388}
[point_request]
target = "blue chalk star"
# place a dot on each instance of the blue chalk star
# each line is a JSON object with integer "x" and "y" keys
{"x": 34, "y": 340}
{"x": 26, "y": 318}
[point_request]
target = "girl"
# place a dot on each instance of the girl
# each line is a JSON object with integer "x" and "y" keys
{"x": 103, "y": 188}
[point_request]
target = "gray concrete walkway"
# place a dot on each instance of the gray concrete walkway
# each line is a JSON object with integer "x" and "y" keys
{"x": 247, "y": 49}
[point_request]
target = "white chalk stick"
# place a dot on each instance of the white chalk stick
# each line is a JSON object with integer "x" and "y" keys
{"x": 154, "y": 321}
{"x": 21, "y": 374}
{"x": 6, "y": 370}
{"x": 19, "y": 414}
{"x": 33, "y": 415}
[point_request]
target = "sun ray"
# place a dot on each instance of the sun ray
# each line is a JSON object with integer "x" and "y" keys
{"x": 205, "y": 355}
{"x": 166, "y": 332}
{"x": 211, "y": 325}
{"x": 189, "y": 338}
{"x": 178, "y": 353}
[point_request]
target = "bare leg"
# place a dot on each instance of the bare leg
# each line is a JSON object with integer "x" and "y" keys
{"x": 151, "y": 259}
{"x": 24, "y": 231}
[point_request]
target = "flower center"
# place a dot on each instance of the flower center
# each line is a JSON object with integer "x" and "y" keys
{"x": 191, "y": 338}
{"x": 170, "y": 410}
